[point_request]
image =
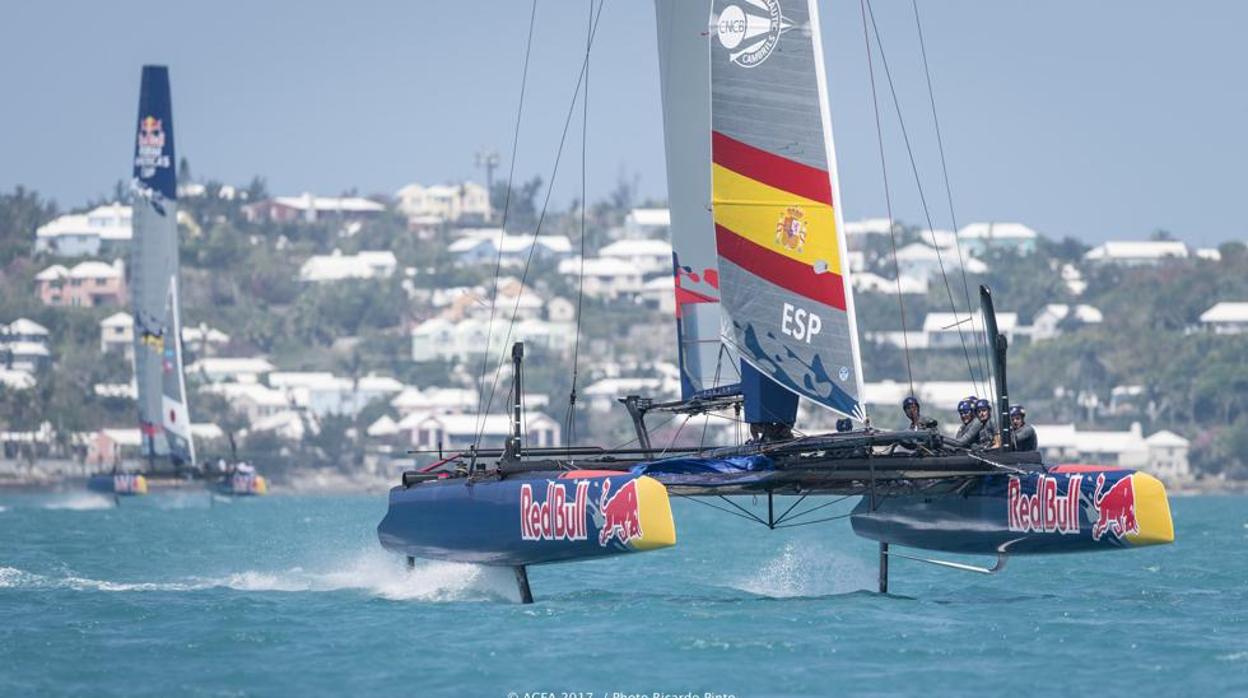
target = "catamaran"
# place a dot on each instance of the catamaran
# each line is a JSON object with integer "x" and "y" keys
{"x": 765, "y": 316}
{"x": 164, "y": 417}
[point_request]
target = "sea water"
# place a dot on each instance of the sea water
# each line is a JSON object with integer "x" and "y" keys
{"x": 190, "y": 595}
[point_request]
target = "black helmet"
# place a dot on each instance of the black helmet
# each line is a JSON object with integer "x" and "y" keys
{"x": 1018, "y": 411}
{"x": 910, "y": 400}
{"x": 982, "y": 404}
{"x": 967, "y": 406}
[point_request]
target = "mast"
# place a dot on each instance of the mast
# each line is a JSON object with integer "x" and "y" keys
{"x": 787, "y": 301}
{"x": 154, "y": 254}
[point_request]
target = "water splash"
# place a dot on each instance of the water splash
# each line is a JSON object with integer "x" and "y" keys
{"x": 374, "y": 573}
{"x": 80, "y": 501}
{"x": 808, "y": 570}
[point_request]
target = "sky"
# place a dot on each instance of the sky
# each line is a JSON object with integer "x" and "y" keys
{"x": 1096, "y": 120}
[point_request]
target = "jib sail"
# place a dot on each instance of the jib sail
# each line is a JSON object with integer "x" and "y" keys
{"x": 707, "y": 365}
{"x": 786, "y": 301}
{"x": 163, "y": 417}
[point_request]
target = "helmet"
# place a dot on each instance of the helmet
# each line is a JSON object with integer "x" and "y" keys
{"x": 1017, "y": 411}
{"x": 982, "y": 404}
{"x": 966, "y": 406}
{"x": 911, "y": 400}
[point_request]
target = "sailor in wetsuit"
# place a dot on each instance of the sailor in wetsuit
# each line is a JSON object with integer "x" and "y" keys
{"x": 917, "y": 423}
{"x": 968, "y": 431}
{"x": 1024, "y": 434}
{"x": 988, "y": 437}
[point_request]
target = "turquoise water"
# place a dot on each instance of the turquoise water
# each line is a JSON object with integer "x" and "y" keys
{"x": 292, "y": 595}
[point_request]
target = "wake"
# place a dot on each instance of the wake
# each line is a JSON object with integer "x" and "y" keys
{"x": 808, "y": 570}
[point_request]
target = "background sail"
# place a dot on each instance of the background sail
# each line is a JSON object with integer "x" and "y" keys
{"x": 175, "y": 416}
{"x": 154, "y": 257}
{"x": 786, "y": 303}
{"x": 706, "y": 363}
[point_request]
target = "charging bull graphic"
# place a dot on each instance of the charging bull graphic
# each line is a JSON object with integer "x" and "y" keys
{"x": 1115, "y": 508}
{"x": 621, "y": 519}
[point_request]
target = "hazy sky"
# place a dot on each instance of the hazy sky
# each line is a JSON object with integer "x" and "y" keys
{"x": 1091, "y": 119}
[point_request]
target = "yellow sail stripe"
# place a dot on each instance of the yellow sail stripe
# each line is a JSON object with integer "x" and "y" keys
{"x": 756, "y": 212}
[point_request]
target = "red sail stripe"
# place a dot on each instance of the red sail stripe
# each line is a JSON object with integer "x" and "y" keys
{"x": 780, "y": 270}
{"x": 771, "y": 169}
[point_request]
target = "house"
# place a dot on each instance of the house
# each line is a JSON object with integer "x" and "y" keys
{"x": 493, "y": 245}
{"x": 603, "y": 395}
{"x": 323, "y": 393}
{"x": 254, "y": 400}
{"x": 435, "y": 400}
{"x": 868, "y": 226}
{"x": 1073, "y": 279}
{"x": 604, "y": 277}
{"x": 337, "y": 266}
{"x": 1048, "y": 323}
{"x": 229, "y": 370}
{"x": 643, "y": 223}
{"x": 100, "y": 230}
{"x": 646, "y": 255}
{"x": 1211, "y": 254}
{"x": 560, "y": 310}
{"x": 439, "y": 338}
{"x": 16, "y": 379}
{"x": 309, "y": 208}
{"x": 947, "y": 331}
{"x": 86, "y": 284}
{"x": 1136, "y": 252}
{"x": 1226, "y": 317}
{"x": 977, "y": 238}
{"x": 944, "y": 240}
{"x": 660, "y": 293}
{"x": 870, "y": 282}
{"x": 203, "y": 340}
{"x": 24, "y": 347}
{"x": 460, "y": 431}
{"x": 117, "y": 334}
{"x": 467, "y": 202}
{"x": 923, "y": 261}
{"x": 1163, "y": 454}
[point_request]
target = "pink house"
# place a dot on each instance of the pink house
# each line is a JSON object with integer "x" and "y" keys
{"x": 87, "y": 284}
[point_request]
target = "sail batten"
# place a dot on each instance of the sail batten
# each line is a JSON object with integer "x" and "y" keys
{"x": 786, "y": 301}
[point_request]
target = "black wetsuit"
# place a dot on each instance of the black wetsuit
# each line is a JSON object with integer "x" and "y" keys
{"x": 1025, "y": 438}
{"x": 968, "y": 433}
{"x": 987, "y": 434}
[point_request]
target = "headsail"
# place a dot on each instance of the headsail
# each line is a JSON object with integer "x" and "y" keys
{"x": 163, "y": 417}
{"x": 787, "y": 304}
{"x": 707, "y": 365}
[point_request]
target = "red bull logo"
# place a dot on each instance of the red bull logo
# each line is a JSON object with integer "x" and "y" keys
{"x": 556, "y": 518}
{"x": 1115, "y": 508}
{"x": 621, "y": 519}
{"x": 151, "y": 149}
{"x": 1045, "y": 511}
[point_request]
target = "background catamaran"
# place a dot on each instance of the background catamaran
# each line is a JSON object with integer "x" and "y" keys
{"x": 164, "y": 418}
{"x": 765, "y": 316}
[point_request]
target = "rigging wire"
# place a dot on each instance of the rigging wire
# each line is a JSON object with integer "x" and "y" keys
{"x": 977, "y": 337}
{"x": 528, "y": 262}
{"x": 580, "y": 280}
{"x": 888, "y": 199}
{"x": 498, "y": 262}
{"x": 919, "y": 185}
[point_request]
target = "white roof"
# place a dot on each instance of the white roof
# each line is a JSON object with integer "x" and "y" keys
{"x": 599, "y": 267}
{"x": 434, "y": 399}
{"x": 470, "y": 425}
{"x": 1166, "y": 439}
{"x": 15, "y": 379}
{"x": 1083, "y": 312}
{"x": 24, "y": 326}
{"x": 997, "y": 231}
{"x": 384, "y": 426}
{"x": 95, "y": 270}
{"x": 869, "y": 281}
{"x": 56, "y": 271}
{"x": 513, "y": 244}
{"x": 260, "y": 395}
{"x": 1212, "y": 254}
{"x": 129, "y": 390}
{"x": 118, "y": 319}
{"x": 70, "y": 224}
{"x": 869, "y": 226}
{"x": 302, "y": 379}
{"x": 1137, "y": 249}
{"x": 22, "y": 349}
{"x": 365, "y": 264}
{"x": 612, "y": 387}
{"x": 352, "y": 204}
{"x": 380, "y": 384}
{"x": 1226, "y": 311}
{"x": 939, "y": 238}
{"x": 637, "y": 248}
{"x": 948, "y": 322}
{"x": 936, "y": 397}
{"x": 920, "y": 252}
{"x": 230, "y": 365}
{"x": 650, "y": 216}
{"x": 210, "y": 335}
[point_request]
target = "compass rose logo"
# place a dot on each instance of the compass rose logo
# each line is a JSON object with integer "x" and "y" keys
{"x": 750, "y": 36}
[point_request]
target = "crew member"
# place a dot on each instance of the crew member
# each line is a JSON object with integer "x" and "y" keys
{"x": 968, "y": 431}
{"x": 1024, "y": 434}
{"x": 912, "y": 409}
{"x": 988, "y": 437}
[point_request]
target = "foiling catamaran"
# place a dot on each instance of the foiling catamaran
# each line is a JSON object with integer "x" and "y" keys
{"x": 762, "y": 284}
{"x": 164, "y": 417}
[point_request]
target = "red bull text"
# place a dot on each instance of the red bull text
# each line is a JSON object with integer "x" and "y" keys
{"x": 621, "y": 520}
{"x": 556, "y": 518}
{"x": 1045, "y": 511}
{"x": 1115, "y": 508}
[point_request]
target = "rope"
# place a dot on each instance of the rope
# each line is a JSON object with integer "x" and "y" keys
{"x": 914, "y": 168}
{"x": 977, "y": 336}
{"x": 888, "y": 199}
{"x": 528, "y": 262}
{"x": 580, "y": 282}
{"x": 498, "y": 262}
